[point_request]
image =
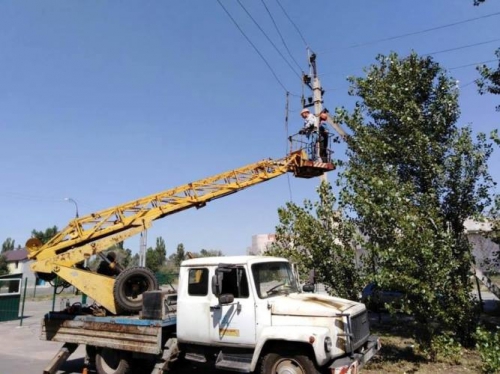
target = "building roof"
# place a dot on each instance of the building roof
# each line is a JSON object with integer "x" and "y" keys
{"x": 474, "y": 227}
{"x": 16, "y": 255}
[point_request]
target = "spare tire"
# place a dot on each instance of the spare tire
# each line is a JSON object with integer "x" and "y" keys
{"x": 129, "y": 286}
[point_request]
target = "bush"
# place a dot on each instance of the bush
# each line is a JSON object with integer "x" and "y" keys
{"x": 446, "y": 348}
{"x": 488, "y": 345}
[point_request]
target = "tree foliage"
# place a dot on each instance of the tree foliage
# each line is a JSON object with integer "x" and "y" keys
{"x": 156, "y": 257}
{"x": 412, "y": 179}
{"x": 179, "y": 255}
{"x": 46, "y": 235}
{"x": 210, "y": 253}
{"x": 489, "y": 82}
{"x": 317, "y": 237}
{"x": 4, "y": 269}
{"x": 8, "y": 245}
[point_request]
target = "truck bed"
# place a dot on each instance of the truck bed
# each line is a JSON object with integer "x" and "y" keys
{"x": 129, "y": 333}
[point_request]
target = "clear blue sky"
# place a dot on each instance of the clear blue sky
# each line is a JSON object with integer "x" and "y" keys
{"x": 105, "y": 102}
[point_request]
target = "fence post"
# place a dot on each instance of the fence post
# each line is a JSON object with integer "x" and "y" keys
{"x": 34, "y": 290}
{"x": 24, "y": 299}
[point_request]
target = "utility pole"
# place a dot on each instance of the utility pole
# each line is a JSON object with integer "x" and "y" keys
{"x": 317, "y": 98}
{"x": 142, "y": 249}
{"x": 316, "y": 87}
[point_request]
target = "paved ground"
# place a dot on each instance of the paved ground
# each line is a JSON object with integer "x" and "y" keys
{"x": 21, "y": 350}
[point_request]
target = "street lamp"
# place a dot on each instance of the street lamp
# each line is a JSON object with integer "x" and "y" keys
{"x": 74, "y": 202}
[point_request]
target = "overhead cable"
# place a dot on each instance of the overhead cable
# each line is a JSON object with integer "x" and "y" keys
{"x": 412, "y": 33}
{"x": 269, "y": 39}
{"x": 281, "y": 36}
{"x": 461, "y": 47}
{"x": 293, "y": 23}
{"x": 253, "y": 45}
{"x": 472, "y": 64}
{"x": 443, "y": 51}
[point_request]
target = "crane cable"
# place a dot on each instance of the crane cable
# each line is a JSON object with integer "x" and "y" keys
{"x": 287, "y": 145}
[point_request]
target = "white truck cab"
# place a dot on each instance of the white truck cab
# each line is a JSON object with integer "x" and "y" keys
{"x": 244, "y": 311}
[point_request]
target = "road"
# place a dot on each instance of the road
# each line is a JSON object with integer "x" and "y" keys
{"x": 22, "y": 351}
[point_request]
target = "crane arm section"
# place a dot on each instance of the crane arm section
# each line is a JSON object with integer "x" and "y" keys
{"x": 138, "y": 214}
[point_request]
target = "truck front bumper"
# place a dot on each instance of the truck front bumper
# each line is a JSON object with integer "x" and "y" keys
{"x": 353, "y": 363}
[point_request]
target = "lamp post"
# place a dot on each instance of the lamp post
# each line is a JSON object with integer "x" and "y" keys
{"x": 74, "y": 202}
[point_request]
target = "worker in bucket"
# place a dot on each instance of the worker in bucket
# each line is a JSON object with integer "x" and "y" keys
{"x": 310, "y": 130}
{"x": 323, "y": 136}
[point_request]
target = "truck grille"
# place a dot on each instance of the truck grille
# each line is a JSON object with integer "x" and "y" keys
{"x": 360, "y": 329}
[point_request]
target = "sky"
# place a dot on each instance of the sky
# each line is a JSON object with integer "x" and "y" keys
{"x": 107, "y": 102}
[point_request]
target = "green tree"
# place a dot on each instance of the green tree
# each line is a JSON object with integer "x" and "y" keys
{"x": 46, "y": 235}
{"x": 161, "y": 249}
{"x": 180, "y": 254}
{"x": 8, "y": 245}
{"x": 210, "y": 253}
{"x": 4, "y": 269}
{"x": 155, "y": 258}
{"x": 412, "y": 179}
{"x": 134, "y": 261}
{"x": 489, "y": 82}
{"x": 152, "y": 259}
{"x": 316, "y": 236}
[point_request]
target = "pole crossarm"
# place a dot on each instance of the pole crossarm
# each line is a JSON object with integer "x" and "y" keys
{"x": 139, "y": 214}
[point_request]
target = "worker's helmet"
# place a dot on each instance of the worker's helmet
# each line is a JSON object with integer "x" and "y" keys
{"x": 111, "y": 256}
{"x": 305, "y": 110}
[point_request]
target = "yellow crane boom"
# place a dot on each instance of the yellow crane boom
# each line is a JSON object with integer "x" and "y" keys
{"x": 94, "y": 233}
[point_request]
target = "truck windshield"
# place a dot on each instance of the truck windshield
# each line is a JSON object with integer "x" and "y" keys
{"x": 273, "y": 278}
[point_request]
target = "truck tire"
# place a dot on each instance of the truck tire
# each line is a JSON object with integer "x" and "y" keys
{"x": 130, "y": 284}
{"x": 289, "y": 362}
{"x": 112, "y": 361}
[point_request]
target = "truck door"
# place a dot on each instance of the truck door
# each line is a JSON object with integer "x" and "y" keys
{"x": 193, "y": 306}
{"x": 234, "y": 322}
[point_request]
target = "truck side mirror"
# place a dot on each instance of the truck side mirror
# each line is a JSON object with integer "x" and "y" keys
{"x": 226, "y": 298}
{"x": 217, "y": 280}
{"x": 217, "y": 283}
{"x": 308, "y": 287}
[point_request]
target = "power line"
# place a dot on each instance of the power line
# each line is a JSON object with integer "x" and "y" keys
{"x": 467, "y": 84}
{"x": 413, "y": 33}
{"x": 253, "y": 45}
{"x": 269, "y": 39}
{"x": 293, "y": 23}
{"x": 472, "y": 64}
{"x": 281, "y": 36}
{"x": 443, "y": 51}
{"x": 462, "y": 47}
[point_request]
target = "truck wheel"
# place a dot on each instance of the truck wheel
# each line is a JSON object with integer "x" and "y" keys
{"x": 130, "y": 284}
{"x": 112, "y": 361}
{"x": 287, "y": 363}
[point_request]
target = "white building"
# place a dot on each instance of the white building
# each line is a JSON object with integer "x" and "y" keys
{"x": 18, "y": 263}
{"x": 484, "y": 250}
{"x": 260, "y": 243}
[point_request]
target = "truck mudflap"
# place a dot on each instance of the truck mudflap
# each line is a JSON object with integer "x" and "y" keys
{"x": 353, "y": 363}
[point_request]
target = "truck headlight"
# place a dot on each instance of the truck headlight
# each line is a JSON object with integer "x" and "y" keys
{"x": 328, "y": 344}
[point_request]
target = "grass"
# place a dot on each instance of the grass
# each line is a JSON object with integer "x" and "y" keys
{"x": 399, "y": 353}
